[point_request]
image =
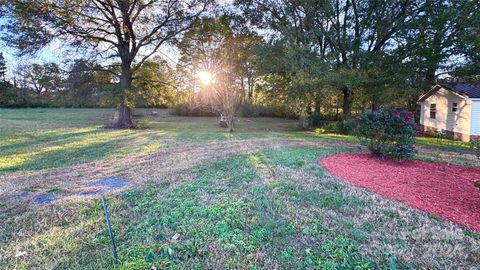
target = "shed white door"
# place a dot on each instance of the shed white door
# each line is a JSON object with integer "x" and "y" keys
{"x": 475, "y": 118}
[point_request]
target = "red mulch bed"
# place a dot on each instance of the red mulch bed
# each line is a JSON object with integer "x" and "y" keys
{"x": 445, "y": 191}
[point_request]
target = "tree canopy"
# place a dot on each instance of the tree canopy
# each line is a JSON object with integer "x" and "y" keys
{"x": 130, "y": 31}
{"x": 321, "y": 59}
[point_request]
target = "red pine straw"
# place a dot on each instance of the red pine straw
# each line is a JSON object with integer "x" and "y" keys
{"x": 439, "y": 189}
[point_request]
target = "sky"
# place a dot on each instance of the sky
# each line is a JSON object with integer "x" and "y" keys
{"x": 57, "y": 53}
{"x": 45, "y": 55}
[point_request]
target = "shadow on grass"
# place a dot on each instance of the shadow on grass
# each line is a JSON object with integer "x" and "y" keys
{"x": 65, "y": 157}
{"x": 31, "y": 139}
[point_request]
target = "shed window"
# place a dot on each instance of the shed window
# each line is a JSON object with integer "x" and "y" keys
{"x": 454, "y": 107}
{"x": 433, "y": 111}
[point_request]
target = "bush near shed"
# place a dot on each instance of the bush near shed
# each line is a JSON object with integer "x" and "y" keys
{"x": 388, "y": 132}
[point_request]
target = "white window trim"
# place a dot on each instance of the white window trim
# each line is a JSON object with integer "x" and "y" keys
{"x": 430, "y": 111}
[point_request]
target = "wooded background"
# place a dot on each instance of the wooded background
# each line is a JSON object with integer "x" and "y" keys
{"x": 323, "y": 59}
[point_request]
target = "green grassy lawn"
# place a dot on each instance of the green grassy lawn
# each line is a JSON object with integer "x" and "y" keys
{"x": 443, "y": 143}
{"x": 33, "y": 139}
{"x": 424, "y": 141}
{"x": 274, "y": 208}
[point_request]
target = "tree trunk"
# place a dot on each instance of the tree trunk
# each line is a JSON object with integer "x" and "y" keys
{"x": 317, "y": 107}
{"x": 124, "y": 111}
{"x": 303, "y": 122}
{"x": 124, "y": 117}
{"x": 242, "y": 83}
{"x": 337, "y": 109}
{"x": 231, "y": 123}
{"x": 20, "y": 91}
{"x": 309, "y": 109}
{"x": 250, "y": 88}
{"x": 347, "y": 103}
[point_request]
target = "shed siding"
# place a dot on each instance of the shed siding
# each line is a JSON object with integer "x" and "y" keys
{"x": 446, "y": 119}
{"x": 475, "y": 118}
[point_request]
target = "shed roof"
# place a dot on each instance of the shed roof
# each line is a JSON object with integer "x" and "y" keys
{"x": 464, "y": 89}
{"x": 469, "y": 90}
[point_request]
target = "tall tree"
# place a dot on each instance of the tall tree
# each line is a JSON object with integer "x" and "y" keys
{"x": 209, "y": 51}
{"x": 246, "y": 40}
{"x": 156, "y": 84}
{"x": 207, "y": 46}
{"x": 467, "y": 41}
{"x": 347, "y": 35}
{"x": 7, "y": 91}
{"x": 43, "y": 78}
{"x": 432, "y": 45}
{"x": 128, "y": 30}
{"x": 85, "y": 83}
{"x": 291, "y": 74}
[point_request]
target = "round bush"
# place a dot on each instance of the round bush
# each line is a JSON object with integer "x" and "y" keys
{"x": 389, "y": 132}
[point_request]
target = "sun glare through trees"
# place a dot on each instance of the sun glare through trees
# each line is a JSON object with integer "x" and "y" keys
{"x": 206, "y": 77}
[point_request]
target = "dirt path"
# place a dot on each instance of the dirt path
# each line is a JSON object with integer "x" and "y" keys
{"x": 71, "y": 181}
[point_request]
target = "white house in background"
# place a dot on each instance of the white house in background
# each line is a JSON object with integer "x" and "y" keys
{"x": 453, "y": 107}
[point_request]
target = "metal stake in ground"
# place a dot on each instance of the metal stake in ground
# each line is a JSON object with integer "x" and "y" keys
{"x": 112, "y": 236}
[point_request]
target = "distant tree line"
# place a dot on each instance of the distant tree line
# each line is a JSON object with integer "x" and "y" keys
{"x": 81, "y": 84}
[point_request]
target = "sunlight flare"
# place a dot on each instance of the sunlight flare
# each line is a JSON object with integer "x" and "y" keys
{"x": 205, "y": 77}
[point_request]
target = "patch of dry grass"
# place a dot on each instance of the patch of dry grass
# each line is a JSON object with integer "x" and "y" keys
{"x": 388, "y": 227}
{"x": 36, "y": 139}
{"x": 449, "y": 157}
{"x": 143, "y": 167}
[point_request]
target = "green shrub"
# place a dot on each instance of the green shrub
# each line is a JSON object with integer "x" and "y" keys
{"x": 143, "y": 124}
{"x": 441, "y": 135}
{"x": 389, "y": 133}
{"x": 243, "y": 110}
{"x": 337, "y": 127}
{"x": 189, "y": 110}
{"x": 476, "y": 146}
{"x": 254, "y": 110}
{"x": 315, "y": 120}
{"x": 8, "y": 95}
{"x": 249, "y": 110}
